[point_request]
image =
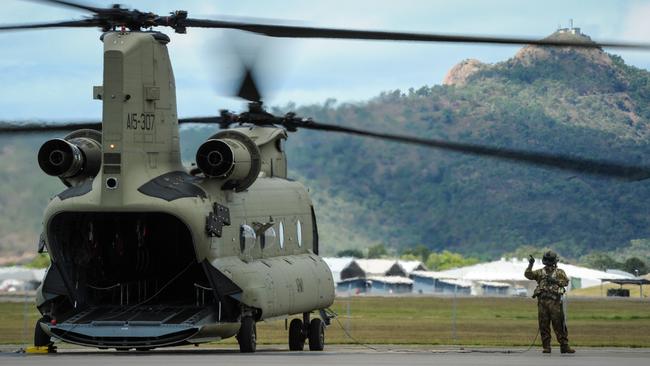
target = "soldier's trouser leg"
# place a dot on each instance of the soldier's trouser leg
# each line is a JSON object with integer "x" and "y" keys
{"x": 544, "y": 319}
{"x": 559, "y": 326}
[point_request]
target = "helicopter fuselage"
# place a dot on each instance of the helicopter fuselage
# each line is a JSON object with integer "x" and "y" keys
{"x": 146, "y": 254}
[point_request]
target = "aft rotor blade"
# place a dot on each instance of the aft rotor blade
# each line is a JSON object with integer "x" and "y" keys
{"x": 10, "y": 127}
{"x": 287, "y": 31}
{"x": 64, "y": 24}
{"x": 248, "y": 89}
{"x": 201, "y": 120}
{"x": 563, "y": 162}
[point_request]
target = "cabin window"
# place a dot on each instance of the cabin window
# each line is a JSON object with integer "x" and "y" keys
{"x": 281, "y": 229}
{"x": 246, "y": 237}
{"x": 268, "y": 237}
{"x": 299, "y": 232}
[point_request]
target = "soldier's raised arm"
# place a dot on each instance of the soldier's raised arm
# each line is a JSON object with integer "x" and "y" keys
{"x": 529, "y": 273}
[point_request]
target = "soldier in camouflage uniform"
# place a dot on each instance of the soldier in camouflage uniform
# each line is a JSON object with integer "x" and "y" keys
{"x": 551, "y": 282}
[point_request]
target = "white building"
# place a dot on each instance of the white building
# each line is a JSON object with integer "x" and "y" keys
{"x": 336, "y": 265}
{"x": 364, "y": 268}
{"x": 491, "y": 277}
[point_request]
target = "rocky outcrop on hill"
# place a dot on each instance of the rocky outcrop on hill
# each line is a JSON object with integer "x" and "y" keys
{"x": 459, "y": 74}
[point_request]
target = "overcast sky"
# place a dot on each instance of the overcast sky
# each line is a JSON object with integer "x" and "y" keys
{"x": 49, "y": 74}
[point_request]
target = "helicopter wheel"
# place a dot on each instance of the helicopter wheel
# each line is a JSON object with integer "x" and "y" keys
{"x": 316, "y": 335}
{"x": 296, "y": 337}
{"x": 41, "y": 339}
{"x": 247, "y": 336}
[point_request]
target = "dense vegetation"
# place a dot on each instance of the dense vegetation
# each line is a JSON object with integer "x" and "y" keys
{"x": 369, "y": 192}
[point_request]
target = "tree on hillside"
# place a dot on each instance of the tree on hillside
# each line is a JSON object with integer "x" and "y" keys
{"x": 601, "y": 261}
{"x": 377, "y": 251}
{"x": 355, "y": 253}
{"x": 634, "y": 264}
{"x": 446, "y": 260}
{"x": 419, "y": 252}
{"x": 524, "y": 251}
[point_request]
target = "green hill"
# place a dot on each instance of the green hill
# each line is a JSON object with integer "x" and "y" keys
{"x": 585, "y": 103}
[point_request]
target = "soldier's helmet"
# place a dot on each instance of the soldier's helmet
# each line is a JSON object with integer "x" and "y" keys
{"x": 550, "y": 258}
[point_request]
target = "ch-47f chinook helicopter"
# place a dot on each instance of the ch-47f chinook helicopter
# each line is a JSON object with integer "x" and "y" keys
{"x": 148, "y": 253}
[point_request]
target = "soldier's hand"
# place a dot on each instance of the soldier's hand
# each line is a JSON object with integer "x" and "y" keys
{"x": 531, "y": 260}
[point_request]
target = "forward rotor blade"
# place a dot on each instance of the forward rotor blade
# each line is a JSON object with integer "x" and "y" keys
{"x": 563, "y": 162}
{"x": 70, "y": 4}
{"x": 287, "y": 31}
{"x": 71, "y": 23}
{"x": 10, "y": 127}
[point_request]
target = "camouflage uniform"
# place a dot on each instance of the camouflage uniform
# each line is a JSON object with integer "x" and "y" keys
{"x": 550, "y": 287}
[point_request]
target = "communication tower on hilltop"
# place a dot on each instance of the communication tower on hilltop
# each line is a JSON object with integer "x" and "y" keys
{"x": 570, "y": 29}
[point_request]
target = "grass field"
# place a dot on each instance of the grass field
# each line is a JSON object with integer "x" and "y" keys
{"x": 601, "y": 291}
{"x": 428, "y": 320}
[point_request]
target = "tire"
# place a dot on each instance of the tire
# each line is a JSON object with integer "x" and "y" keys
{"x": 41, "y": 339}
{"x": 296, "y": 338}
{"x": 316, "y": 335}
{"x": 247, "y": 336}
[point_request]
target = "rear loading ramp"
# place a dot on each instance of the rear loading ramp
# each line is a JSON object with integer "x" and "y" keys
{"x": 143, "y": 326}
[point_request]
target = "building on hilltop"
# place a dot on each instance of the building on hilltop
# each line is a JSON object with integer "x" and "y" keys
{"x": 571, "y": 30}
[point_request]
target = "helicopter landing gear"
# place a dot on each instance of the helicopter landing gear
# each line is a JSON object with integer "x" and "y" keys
{"x": 316, "y": 335}
{"x": 247, "y": 336}
{"x": 296, "y": 336}
{"x": 41, "y": 339}
{"x": 301, "y": 330}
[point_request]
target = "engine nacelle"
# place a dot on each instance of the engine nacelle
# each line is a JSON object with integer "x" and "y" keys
{"x": 232, "y": 156}
{"x": 74, "y": 158}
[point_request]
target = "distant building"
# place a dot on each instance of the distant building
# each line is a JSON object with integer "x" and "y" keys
{"x": 489, "y": 288}
{"x": 428, "y": 282}
{"x": 364, "y": 268}
{"x": 410, "y": 266}
{"x": 378, "y": 285}
{"x": 337, "y": 265}
{"x": 491, "y": 277}
{"x": 571, "y": 30}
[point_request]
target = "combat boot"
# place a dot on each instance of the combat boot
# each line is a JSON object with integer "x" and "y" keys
{"x": 546, "y": 350}
{"x": 566, "y": 349}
